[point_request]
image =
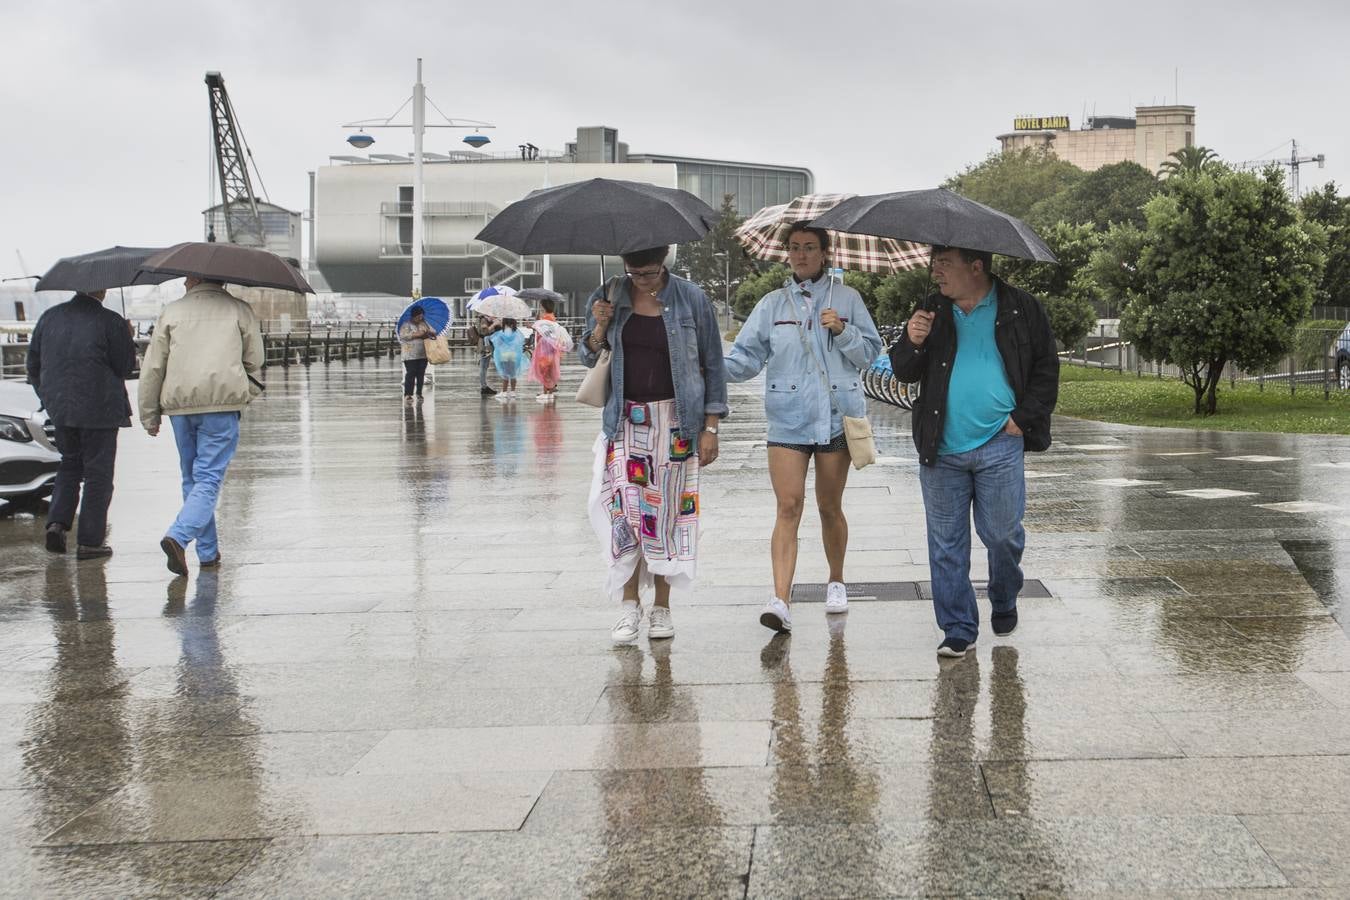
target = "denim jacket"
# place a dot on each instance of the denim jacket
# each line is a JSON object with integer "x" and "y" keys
{"x": 779, "y": 333}
{"x": 695, "y": 354}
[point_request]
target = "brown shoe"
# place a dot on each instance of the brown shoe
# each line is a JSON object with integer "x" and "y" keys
{"x": 211, "y": 563}
{"x": 177, "y": 559}
{"x": 83, "y": 552}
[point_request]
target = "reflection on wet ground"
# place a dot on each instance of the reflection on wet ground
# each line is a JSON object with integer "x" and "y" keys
{"x": 400, "y": 681}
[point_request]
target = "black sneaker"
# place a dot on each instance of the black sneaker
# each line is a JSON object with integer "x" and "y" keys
{"x": 954, "y": 648}
{"x": 56, "y": 538}
{"x": 1004, "y": 623}
{"x": 101, "y": 552}
{"x": 486, "y": 391}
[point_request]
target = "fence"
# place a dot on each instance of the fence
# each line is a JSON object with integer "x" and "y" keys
{"x": 1319, "y": 361}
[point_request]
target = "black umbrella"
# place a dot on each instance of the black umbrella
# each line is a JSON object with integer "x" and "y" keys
{"x": 228, "y": 263}
{"x": 940, "y": 217}
{"x": 101, "y": 270}
{"x": 600, "y": 217}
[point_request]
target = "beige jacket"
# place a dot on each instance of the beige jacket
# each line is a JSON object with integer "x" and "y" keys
{"x": 206, "y": 345}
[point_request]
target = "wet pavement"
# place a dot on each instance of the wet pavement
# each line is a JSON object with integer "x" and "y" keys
{"x": 400, "y": 682}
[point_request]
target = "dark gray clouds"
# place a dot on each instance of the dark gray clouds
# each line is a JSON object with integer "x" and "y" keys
{"x": 105, "y": 118}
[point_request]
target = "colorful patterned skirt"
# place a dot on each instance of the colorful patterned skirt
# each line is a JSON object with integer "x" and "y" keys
{"x": 644, "y": 502}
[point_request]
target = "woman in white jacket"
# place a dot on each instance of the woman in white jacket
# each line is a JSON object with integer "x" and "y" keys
{"x": 815, "y": 337}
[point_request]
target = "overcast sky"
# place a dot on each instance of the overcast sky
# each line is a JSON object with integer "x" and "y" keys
{"x": 105, "y": 116}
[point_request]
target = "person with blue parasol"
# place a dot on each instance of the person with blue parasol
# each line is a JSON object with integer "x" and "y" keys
{"x": 421, "y": 321}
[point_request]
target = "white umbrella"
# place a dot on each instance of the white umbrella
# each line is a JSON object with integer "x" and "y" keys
{"x": 503, "y": 306}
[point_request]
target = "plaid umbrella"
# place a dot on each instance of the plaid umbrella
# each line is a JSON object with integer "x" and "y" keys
{"x": 764, "y": 236}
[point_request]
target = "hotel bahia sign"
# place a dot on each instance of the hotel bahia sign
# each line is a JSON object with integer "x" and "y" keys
{"x": 1041, "y": 123}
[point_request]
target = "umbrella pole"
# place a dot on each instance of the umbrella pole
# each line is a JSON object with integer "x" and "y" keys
{"x": 122, "y": 294}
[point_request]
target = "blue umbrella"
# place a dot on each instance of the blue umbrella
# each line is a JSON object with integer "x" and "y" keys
{"x": 433, "y": 308}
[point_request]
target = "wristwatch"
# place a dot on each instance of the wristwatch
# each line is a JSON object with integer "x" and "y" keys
{"x": 711, "y": 429}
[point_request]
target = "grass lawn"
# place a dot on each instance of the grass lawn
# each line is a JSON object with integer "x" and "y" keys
{"x": 1106, "y": 396}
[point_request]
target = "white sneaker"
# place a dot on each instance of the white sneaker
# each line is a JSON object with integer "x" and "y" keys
{"x": 776, "y": 616}
{"x": 626, "y": 629}
{"x": 836, "y": 597}
{"x": 659, "y": 623}
{"x": 541, "y": 398}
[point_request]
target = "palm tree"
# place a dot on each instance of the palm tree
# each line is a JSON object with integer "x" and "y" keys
{"x": 1188, "y": 160}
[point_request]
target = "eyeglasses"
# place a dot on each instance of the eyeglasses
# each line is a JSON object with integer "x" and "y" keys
{"x": 652, "y": 273}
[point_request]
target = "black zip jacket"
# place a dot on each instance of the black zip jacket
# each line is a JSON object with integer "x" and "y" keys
{"x": 1027, "y": 345}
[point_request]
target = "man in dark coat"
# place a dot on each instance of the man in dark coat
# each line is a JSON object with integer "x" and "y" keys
{"x": 986, "y": 360}
{"x": 78, "y": 362}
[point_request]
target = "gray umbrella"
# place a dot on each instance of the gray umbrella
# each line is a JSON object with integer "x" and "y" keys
{"x": 228, "y": 263}
{"x": 103, "y": 269}
{"x": 937, "y": 216}
{"x": 600, "y": 217}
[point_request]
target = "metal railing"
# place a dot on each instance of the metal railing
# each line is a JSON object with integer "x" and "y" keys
{"x": 402, "y": 208}
{"x": 1319, "y": 360}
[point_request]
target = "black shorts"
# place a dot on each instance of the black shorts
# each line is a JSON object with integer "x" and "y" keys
{"x": 837, "y": 443}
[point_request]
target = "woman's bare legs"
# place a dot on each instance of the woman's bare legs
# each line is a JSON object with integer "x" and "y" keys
{"x": 787, "y": 474}
{"x": 831, "y": 477}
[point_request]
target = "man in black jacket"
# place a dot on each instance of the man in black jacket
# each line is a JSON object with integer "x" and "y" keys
{"x": 78, "y": 362}
{"x": 986, "y": 361}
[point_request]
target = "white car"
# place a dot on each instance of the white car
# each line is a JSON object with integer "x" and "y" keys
{"x": 28, "y": 454}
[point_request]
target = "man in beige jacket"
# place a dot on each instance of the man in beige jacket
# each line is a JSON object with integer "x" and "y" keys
{"x": 199, "y": 372}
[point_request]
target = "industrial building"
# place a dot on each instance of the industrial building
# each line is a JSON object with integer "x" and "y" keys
{"x": 362, "y": 207}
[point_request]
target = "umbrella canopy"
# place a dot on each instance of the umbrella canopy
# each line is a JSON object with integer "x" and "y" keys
{"x": 764, "y": 236}
{"x": 102, "y": 269}
{"x": 557, "y": 334}
{"x": 228, "y": 263}
{"x": 600, "y": 217}
{"x": 498, "y": 290}
{"x": 937, "y": 216}
{"x": 435, "y": 311}
{"x": 534, "y": 295}
{"x": 503, "y": 306}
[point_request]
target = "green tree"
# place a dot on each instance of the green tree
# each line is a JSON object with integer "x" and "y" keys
{"x": 1188, "y": 161}
{"x": 1331, "y": 211}
{"x": 1015, "y": 182}
{"x": 1066, "y": 287}
{"x": 897, "y": 295}
{"x": 1106, "y": 196}
{"x": 1222, "y": 274}
{"x": 700, "y": 262}
{"x": 756, "y": 286}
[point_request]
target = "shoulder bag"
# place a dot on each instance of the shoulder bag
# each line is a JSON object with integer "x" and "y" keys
{"x": 595, "y": 387}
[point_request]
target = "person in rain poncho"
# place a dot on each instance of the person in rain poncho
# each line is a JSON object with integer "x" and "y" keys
{"x": 546, "y": 361}
{"x": 508, "y": 354}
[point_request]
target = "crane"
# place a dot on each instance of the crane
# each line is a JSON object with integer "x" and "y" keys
{"x": 243, "y": 222}
{"x": 1292, "y": 164}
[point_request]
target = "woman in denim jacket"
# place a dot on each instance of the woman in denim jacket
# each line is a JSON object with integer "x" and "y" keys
{"x": 668, "y": 391}
{"x": 814, "y": 336}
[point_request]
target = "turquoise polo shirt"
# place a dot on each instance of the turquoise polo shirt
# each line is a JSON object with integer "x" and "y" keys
{"x": 979, "y": 397}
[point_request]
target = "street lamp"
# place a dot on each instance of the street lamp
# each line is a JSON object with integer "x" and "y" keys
{"x": 726, "y": 284}
{"x": 361, "y": 140}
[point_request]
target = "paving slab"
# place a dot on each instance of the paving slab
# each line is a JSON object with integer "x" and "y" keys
{"x": 401, "y": 681}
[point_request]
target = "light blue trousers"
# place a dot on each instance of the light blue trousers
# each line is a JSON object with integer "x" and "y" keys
{"x": 206, "y": 444}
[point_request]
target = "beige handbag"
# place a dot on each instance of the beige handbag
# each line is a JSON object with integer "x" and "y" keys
{"x": 862, "y": 449}
{"x": 595, "y": 387}
{"x": 438, "y": 350}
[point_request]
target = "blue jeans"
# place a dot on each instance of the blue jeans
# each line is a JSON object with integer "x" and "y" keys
{"x": 990, "y": 479}
{"x": 206, "y": 443}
